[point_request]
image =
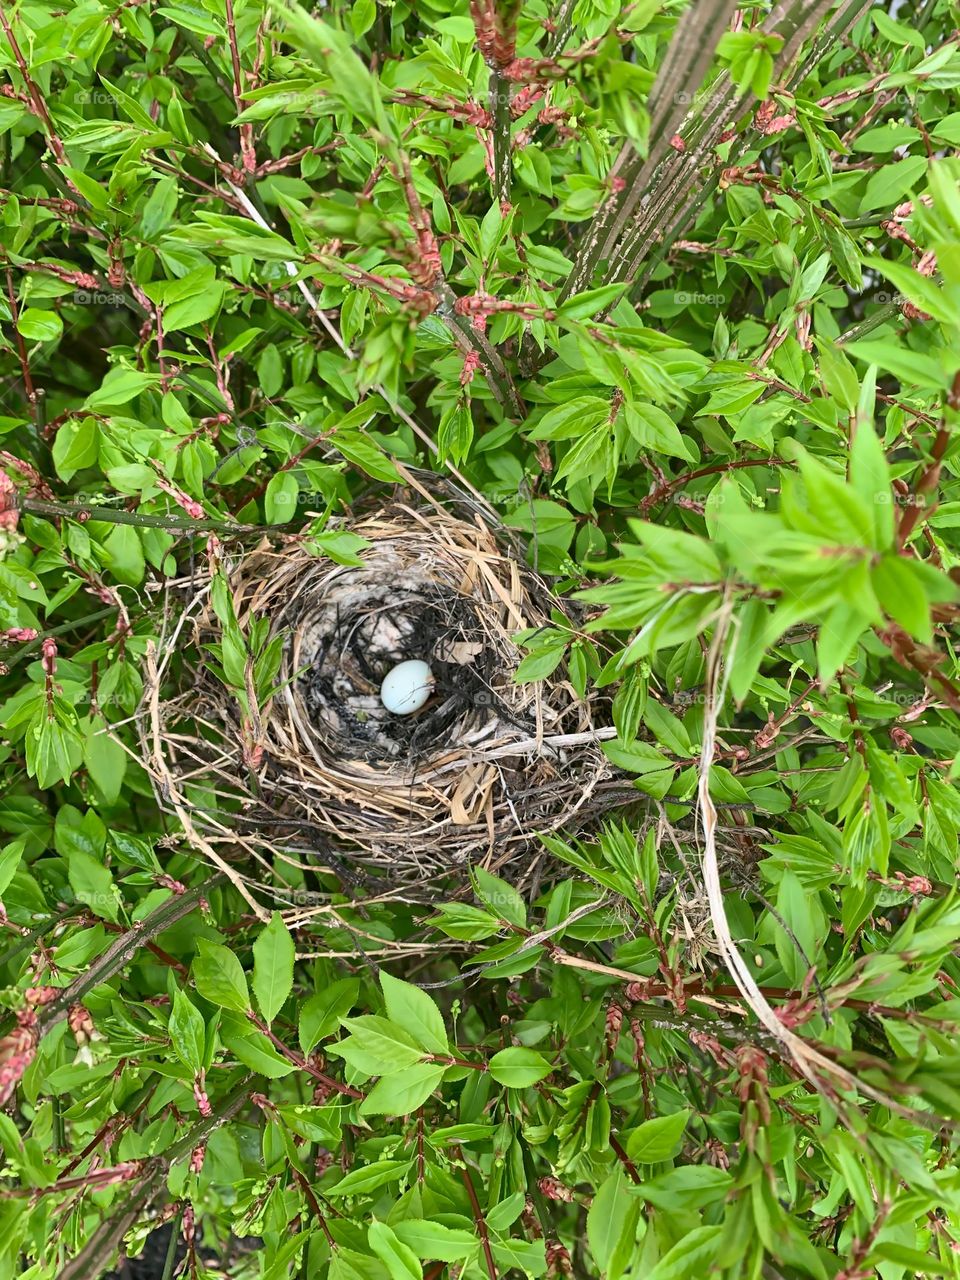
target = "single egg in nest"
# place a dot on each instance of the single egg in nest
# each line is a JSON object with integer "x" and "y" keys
{"x": 407, "y": 687}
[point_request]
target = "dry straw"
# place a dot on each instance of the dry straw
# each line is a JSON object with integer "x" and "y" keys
{"x": 320, "y": 777}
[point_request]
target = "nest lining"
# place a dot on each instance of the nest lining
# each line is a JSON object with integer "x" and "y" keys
{"x": 361, "y": 630}
{"x": 323, "y": 773}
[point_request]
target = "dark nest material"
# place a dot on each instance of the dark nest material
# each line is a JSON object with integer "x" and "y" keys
{"x": 322, "y": 776}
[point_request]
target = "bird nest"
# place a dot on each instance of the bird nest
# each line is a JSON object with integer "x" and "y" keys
{"x": 318, "y": 774}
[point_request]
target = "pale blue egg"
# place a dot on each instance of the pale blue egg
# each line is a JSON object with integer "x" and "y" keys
{"x": 406, "y": 687}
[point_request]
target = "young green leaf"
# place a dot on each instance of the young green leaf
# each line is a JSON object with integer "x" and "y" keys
{"x": 273, "y": 957}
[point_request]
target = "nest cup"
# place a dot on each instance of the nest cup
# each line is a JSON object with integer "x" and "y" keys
{"x": 322, "y": 775}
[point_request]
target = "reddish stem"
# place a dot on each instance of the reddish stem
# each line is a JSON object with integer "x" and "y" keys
{"x": 18, "y": 337}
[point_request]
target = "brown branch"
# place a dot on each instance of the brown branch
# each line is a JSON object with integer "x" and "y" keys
{"x": 111, "y": 515}
{"x": 625, "y": 1160}
{"x": 926, "y": 486}
{"x": 247, "y": 151}
{"x": 36, "y": 97}
{"x": 501, "y": 134}
{"x": 100, "y": 1249}
{"x": 302, "y": 1063}
{"x": 18, "y": 338}
{"x": 664, "y": 491}
{"x": 121, "y": 952}
{"x": 314, "y": 1204}
{"x": 478, "y": 1217}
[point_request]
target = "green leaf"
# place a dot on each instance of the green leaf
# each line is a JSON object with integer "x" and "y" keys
{"x": 519, "y": 1068}
{"x": 270, "y": 370}
{"x": 119, "y": 387}
{"x": 75, "y": 446}
{"x": 413, "y": 1009}
{"x": 435, "y": 1242}
{"x": 54, "y": 748}
{"x": 159, "y": 208}
{"x": 502, "y": 899}
{"x": 350, "y": 80}
{"x": 340, "y": 545}
{"x": 891, "y": 182}
{"x": 105, "y": 760}
{"x": 400, "y": 1261}
{"x": 255, "y": 1051}
{"x": 10, "y": 856}
{"x": 361, "y": 450}
{"x": 657, "y": 1139}
{"x": 187, "y": 1032}
{"x": 368, "y": 1178}
{"x": 125, "y": 554}
{"x": 93, "y": 884}
{"x": 691, "y": 1254}
{"x": 186, "y": 312}
{"x": 219, "y": 977}
{"x": 281, "y": 497}
{"x": 273, "y": 957}
{"x": 401, "y": 1092}
{"x": 612, "y": 1223}
{"x": 584, "y": 305}
{"x": 39, "y": 326}
{"x": 320, "y": 1016}
{"x": 870, "y": 477}
{"x": 900, "y": 590}
{"x": 640, "y": 758}
{"x": 377, "y": 1046}
{"x": 652, "y": 428}
{"x": 469, "y": 924}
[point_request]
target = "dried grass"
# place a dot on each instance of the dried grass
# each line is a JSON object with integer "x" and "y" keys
{"x": 320, "y": 778}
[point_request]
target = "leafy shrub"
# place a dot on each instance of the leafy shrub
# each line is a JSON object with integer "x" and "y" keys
{"x": 678, "y": 293}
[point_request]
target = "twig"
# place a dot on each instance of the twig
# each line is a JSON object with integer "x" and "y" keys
{"x": 92, "y": 1260}
{"x": 314, "y": 1204}
{"x": 18, "y": 338}
{"x": 121, "y": 952}
{"x": 301, "y": 1062}
{"x": 500, "y": 109}
{"x": 111, "y": 515}
{"x": 36, "y": 97}
{"x": 248, "y": 155}
{"x": 477, "y": 1215}
{"x": 152, "y": 701}
{"x": 804, "y": 1057}
{"x": 625, "y": 1160}
{"x": 254, "y": 214}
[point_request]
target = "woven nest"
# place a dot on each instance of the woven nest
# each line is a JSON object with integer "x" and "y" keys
{"x": 322, "y": 776}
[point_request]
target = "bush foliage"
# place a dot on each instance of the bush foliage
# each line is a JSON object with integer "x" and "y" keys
{"x": 678, "y": 292}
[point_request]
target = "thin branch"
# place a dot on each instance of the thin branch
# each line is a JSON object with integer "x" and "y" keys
{"x": 121, "y": 952}
{"x": 104, "y": 1243}
{"x": 21, "y": 345}
{"x": 478, "y": 1217}
{"x": 111, "y": 515}
{"x": 625, "y": 1160}
{"x": 502, "y": 137}
{"x": 36, "y": 97}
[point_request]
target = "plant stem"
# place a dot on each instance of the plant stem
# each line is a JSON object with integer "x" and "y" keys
{"x": 121, "y": 952}
{"x": 502, "y": 141}
{"x": 481, "y": 1222}
{"x": 173, "y": 524}
{"x": 171, "y": 1258}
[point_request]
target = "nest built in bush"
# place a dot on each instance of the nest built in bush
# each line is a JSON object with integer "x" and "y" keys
{"x": 322, "y": 775}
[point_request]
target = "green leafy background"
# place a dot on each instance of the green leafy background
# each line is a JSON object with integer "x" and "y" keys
{"x": 679, "y": 294}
